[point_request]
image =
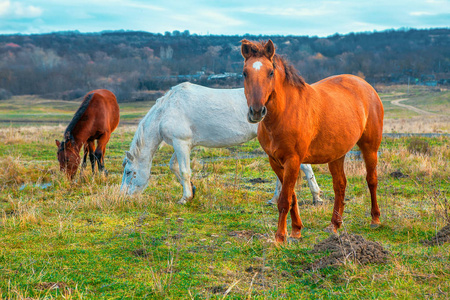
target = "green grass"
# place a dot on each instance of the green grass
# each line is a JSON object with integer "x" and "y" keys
{"x": 430, "y": 99}
{"x": 93, "y": 243}
{"x": 32, "y": 110}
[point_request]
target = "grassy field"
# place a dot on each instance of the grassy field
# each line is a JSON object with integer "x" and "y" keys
{"x": 84, "y": 240}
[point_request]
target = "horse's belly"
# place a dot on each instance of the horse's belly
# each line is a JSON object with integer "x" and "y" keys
{"x": 326, "y": 153}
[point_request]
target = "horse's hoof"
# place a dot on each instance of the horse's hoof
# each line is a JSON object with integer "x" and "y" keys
{"x": 330, "y": 229}
{"x": 375, "y": 225}
{"x": 280, "y": 238}
{"x": 182, "y": 201}
{"x": 270, "y": 203}
{"x": 318, "y": 202}
{"x": 193, "y": 190}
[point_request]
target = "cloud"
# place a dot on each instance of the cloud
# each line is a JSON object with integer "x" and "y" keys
{"x": 421, "y": 13}
{"x": 286, "y": 12}
{"x": 17, "y": 10}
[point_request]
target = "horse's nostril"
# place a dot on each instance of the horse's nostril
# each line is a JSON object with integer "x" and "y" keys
{"x": 251, "y": 110}
{"x": 264, "y": 111}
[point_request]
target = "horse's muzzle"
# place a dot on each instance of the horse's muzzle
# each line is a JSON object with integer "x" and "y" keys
{"x": 255, "y": 116}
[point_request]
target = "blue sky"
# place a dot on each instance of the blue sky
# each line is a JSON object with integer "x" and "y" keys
{"x": 306, "y": 17}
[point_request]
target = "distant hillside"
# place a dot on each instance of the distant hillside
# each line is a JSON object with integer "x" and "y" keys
{"x": 132, "y": 64}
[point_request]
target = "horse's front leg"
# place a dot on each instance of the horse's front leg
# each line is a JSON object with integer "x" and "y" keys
{"x": 86, "y": 150}
{"x": 287, "y": 201}
{"x": 182, "y": 151}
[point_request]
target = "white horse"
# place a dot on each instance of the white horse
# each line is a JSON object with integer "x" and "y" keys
{"x": 187, "y": 116}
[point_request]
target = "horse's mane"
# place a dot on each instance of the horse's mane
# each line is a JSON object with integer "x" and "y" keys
{"x": 292, "y": 76}
{"x": 76, "y": 117}
{"x": 291, "y": 73}
{"x": 139, "y": 136}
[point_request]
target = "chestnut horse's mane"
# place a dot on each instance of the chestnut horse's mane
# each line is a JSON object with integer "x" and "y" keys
{"x": 291, "y": 73}
{"x": 76, "y": 117}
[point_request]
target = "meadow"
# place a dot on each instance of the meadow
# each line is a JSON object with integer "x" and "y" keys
{"x": 85, "y": 240}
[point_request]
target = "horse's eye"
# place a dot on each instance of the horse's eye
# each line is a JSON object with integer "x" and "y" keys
{"x": 244, "y": 74}
{"x": 271, "y": 73}
{"x": 128, "y": 173}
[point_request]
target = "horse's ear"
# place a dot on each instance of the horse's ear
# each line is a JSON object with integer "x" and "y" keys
{"x": 246, "y": 49}
{"x": 129, "y": 156}
{"x": 57, "y": 143}
{"x": 269, "y": 50}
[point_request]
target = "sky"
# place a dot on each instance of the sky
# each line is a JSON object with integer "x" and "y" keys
{"x": 302, "y": 17}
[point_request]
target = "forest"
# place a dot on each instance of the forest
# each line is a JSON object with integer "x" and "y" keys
{"x": 142, "y": 65}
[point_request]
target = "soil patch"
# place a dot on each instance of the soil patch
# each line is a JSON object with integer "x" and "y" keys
{"x": 246, "y": 234}
{"x": 258, "y": 180}
{"x": 348, "y": 247}
{"x": 397, "y": 174}
{"x": 140, "y": 252}
{"x": 217, "y": 289}
{"x": 441, "y": 237}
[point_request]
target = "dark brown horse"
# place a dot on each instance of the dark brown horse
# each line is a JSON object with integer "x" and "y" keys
{"x": 96, "y": 118}
{"x": 312, "y": 124}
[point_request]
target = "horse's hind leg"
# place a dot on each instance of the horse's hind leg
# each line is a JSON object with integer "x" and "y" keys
{"x": 312, "y": 183}
{"x": 100, "y": 151}
{"x": 276, "y": 193}
{"x": 182, "y": 151}
{"x": 370, "y": 156}
{"x": 339, "y": 184}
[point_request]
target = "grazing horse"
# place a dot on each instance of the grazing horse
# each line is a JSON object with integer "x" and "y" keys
{"x": 313, "y": 124}
{"x": 96, "y": 118}
{"x": 187, "y": 116}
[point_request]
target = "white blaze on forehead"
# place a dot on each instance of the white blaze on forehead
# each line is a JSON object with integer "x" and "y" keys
{"x": 257, "y": 65}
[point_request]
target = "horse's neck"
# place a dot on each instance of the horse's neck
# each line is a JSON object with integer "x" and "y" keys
{"x": 290, "y": 102}
{"x": 149, "y": 139}
{"x": 77, "y": 142}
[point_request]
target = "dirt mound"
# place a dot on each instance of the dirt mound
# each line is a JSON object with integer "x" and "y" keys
{"x": 441, "y": 237}
{"x": 348, "y": 247}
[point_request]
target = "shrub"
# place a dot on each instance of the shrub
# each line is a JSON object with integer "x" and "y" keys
{"x": 418, "y": 146}
{"x": 5, "y": 94}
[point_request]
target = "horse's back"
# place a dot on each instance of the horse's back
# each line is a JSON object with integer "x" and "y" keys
{"x": 362, "y": 100}
{"x": 346, "y": 110}
{"x": 349, "y": 96}
{"x": 105, "y": 109}
{"x": 209, "y": 117}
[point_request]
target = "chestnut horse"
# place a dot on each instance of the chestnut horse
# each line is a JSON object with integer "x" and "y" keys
{"x": 312, "y": 124}
{"x": 96, "y": 118}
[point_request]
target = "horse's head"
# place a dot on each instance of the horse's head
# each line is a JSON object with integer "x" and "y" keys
{"x": 68, "y": 157}
{"x": 259, "y": 77}
{"x": 135, "y": 175}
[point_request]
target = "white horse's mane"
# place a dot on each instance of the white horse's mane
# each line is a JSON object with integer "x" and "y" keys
{"x": 138, "y": 139}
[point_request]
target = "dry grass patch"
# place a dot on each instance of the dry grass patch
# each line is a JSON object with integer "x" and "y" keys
{"x": 418, "y": 124}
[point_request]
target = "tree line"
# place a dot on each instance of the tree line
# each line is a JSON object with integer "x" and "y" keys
{"x": 140, "y": 65}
